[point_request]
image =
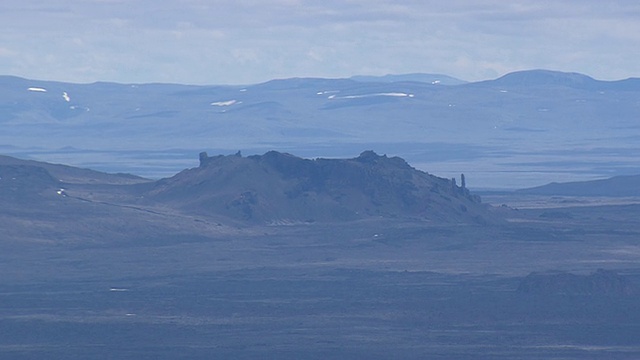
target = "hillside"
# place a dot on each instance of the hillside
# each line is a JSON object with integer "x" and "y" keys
{"x": 42, "y": 202}
{"x": 615, "y": 186}
{"x": 282, "y": 188}
{"x": 71, "y": 174}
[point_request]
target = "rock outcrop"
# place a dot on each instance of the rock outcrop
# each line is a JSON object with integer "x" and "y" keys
{"x": 279, "y": 187}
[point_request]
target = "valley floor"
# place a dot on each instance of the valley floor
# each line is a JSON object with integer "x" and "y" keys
{"x": 374, "y": 289}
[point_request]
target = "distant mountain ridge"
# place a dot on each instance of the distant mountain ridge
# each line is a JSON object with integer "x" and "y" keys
{"x": 557, "y": 78}
{"x": 434, "y": 79}
{"x": 628, "y": 185}
{"x": 502, "y": 124}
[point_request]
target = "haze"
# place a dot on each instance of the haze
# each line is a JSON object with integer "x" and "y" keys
{"x": 241, "y": 42}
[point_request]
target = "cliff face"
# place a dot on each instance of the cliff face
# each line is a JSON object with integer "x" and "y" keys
{"x": 279, "y": 187}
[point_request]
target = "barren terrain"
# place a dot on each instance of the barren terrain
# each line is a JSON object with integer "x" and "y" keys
{"x": 99, "y": 277}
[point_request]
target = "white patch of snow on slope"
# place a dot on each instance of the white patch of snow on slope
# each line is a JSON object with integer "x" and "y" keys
{"x": 225, "y": 103}
{"x": 66, "y": 96}
{"x": 391, "y": 94}
{"x": 327, "y": 92}
{"x": 37, "y": 89}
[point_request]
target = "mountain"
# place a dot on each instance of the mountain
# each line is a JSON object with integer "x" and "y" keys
{"x": 545, "y": 78}
{"x": 548, "y": 78}
{"x": 615, "y": 186}
{"x": 434, "y": 79}
{"x": 536, "y": 122}
{"x": 42, "y": 202}
{"x": 282, "y": 188}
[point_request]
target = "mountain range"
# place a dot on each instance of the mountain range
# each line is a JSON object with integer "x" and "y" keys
{"x": 523, "y": 129}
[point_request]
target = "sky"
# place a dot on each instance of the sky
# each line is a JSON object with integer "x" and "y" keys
{"x": 251, "y": 41}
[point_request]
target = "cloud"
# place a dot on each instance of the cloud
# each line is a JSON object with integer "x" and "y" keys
{"x": 218, "y": 41}
{"x": 4, "y": 52}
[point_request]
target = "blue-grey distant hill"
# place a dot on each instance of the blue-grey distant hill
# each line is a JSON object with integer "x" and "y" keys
{"x": 544, "y": 124}
{"x": 616, "y": 186}
{"x": 434, "y": 79}
{"x": 541, "y": 78}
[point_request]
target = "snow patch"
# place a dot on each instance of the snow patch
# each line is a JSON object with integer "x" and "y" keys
{"x": 327, "y": 92}
{"x": 118, "y": 289}
{"x": 66, "y": 97}
{"x": 226, "y": 103}
{"x": 37, "y": 89}
{"x": 61, "y": 192}
{"x": 435, "y": 82}
{"x": 390, "y": 94}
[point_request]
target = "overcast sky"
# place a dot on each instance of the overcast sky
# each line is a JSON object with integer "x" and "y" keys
{"x": 250, "y": 41}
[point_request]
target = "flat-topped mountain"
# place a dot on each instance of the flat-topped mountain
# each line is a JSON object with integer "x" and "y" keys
{"x": 272, "y": 188}
{"x": 282, "y": 188}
